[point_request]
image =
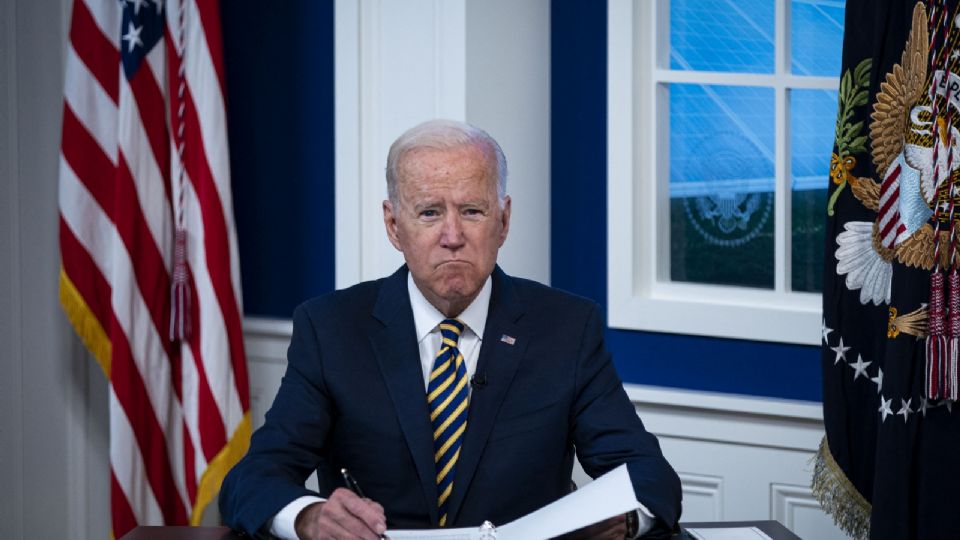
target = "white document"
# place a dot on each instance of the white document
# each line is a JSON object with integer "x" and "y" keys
{"x": 607, "y": 496}
{"x": 728, "y": 533}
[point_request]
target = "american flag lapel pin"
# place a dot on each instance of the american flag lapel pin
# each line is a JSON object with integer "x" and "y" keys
{"x": 509, "y": 340}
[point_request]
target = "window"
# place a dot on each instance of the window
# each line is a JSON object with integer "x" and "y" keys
{"x": 720, "y": 133}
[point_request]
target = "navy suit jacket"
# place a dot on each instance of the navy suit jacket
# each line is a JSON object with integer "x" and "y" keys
{"x": 353, "y": 396}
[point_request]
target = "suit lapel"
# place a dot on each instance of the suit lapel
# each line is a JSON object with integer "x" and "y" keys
{"x": 397, "y": 353}
{"x": 497, "y": 363}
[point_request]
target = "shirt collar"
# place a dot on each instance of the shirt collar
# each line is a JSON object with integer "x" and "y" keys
{"x": 426, "y": 318}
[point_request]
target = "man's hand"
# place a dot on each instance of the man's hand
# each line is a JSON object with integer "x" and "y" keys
{"x": 343, "y": 515}
{"x": 614, "y": 528}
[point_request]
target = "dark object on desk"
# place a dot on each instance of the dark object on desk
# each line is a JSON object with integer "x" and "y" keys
{"x": 773, "y": 529}
{"x": 182, "y": 533}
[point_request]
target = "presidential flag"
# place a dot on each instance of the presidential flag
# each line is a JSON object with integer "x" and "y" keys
{"x": 890, "y": 460}
{"x": 150, "y": 277}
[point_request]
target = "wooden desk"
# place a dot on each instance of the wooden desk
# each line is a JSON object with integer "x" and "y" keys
{"x": 773, "y": 529}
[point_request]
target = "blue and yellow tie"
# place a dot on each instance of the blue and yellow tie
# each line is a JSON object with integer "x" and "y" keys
{"x": 447, "y": 396}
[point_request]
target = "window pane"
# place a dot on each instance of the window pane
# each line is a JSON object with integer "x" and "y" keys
{"x": 816, "y": 37}
{"x": 721, "y": 184}
{"x": 725, "y": 35}
{"x": 812, "y": 117}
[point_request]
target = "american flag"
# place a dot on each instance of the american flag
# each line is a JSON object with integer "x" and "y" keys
{"x": 144, "y": 173}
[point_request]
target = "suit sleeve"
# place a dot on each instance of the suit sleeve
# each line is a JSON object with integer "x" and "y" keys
{"x": 608, "y": 432}
{"x": 287, "y": 448}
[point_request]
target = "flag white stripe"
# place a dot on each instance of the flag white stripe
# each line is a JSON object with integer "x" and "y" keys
{"x": 128, "y": 467}
{"x": 108, "y": 16}
{"x": 191, "y": 411}
{"x": 131, "y": 313}
{"x": 91, "y": 104}
{"x": 147, "y": 179}
{"x": 214, "y": 346}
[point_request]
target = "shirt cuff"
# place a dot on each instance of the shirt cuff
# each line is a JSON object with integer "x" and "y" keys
{"x": 283, "y": 524}
{"x": 645, "y": 521}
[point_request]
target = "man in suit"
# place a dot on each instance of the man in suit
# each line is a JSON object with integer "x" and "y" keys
{"x": 512, "y": 379}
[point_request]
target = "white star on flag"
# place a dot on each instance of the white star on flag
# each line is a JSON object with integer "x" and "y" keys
{"x": 878, "y": 379}
{"x": 885, "y": 409}
{"x": 841, "y": 352}
{"x": 825, "y": 331}
{"x": 132, "y": 37}
{"x": 159, "y": 4}
{"x": 860, "y": 367}
{"x": 905, "y": 409}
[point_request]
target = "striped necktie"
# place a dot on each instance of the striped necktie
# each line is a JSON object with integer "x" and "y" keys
{"x": 447, "y": 395}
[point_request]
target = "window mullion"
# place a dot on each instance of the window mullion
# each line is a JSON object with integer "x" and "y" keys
{"x": 782, "y": 217}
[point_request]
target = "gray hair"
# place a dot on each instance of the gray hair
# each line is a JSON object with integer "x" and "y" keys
{"x": 443, "y": 135}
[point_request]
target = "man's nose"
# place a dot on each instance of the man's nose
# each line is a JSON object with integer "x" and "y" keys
{"x": 452, "y": 233}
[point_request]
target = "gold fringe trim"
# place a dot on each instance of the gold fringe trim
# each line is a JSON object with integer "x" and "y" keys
{"x": 837, "y": 495}
{"x": 85, "y": 323}
{"x": 219, "y": 466}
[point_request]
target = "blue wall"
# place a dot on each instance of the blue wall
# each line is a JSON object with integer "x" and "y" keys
{"x": 579, "y": 234}
{"x": 279, "y": 69}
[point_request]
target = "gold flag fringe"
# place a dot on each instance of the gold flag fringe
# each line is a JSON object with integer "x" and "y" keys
{"x": 85, "y": 323}
{"x": 219, "y": 466}
{"x": 837, "y": 495}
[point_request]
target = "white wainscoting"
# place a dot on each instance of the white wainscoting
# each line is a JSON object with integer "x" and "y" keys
{"x": 738, "y": 457}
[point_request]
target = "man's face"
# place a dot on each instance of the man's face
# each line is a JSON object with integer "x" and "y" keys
{"x": 448, "y": 222}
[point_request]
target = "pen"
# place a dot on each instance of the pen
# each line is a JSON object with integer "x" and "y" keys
{"x": 353, "y": 486}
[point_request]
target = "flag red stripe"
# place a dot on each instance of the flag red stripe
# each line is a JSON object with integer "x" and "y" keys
{"x": 216, "y": 244}
{"x": 152, "y": 106}
{"x": 92, "y": 167}
{"x": 210, "y": 21}
{"x": 894, "y": 174}
{"x": 131, "y": 392}
{"x": 85, "y": 275}
{"x": 122, "y": 515}
{"x": 891, "y": 200}
{"x": 149, "y": 270}
{"x": 95, "y": 49}
{"x": 890, "y": 224}
{"x": 213, "y": 433}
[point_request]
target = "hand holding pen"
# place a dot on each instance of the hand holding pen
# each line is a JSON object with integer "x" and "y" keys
{"x": 346, "y": 514}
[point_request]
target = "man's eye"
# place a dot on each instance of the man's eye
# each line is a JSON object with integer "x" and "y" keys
{"x": 429, "y": 213}
{"x": 473, "y": 212}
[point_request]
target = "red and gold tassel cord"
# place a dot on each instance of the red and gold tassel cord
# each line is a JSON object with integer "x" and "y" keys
{"x": 943, "y": 340}
{"x": 180, "y": 282}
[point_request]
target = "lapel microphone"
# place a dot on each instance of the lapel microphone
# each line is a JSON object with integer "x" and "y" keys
{"x": 479, "y": 380}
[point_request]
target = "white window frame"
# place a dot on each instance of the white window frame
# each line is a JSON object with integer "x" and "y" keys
{"x": 640, "y": 294}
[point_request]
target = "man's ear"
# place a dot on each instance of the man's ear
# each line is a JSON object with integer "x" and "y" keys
{"x": 505, "y": 220}
{"x": 390, "y": 223}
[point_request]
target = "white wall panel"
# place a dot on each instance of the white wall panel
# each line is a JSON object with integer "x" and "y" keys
{"x": 400, "y": 63}
{"x": 53, "y": 464}
{"x": 508, "y": 95}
